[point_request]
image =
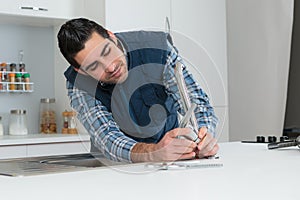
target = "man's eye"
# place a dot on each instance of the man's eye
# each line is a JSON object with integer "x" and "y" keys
{"x": 94, "y": 67}
{"x": 107, "y": 51}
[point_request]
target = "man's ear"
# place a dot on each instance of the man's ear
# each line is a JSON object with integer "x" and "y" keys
{"x": 112, "y": 36}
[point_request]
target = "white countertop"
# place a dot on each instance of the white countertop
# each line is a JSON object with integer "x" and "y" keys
{"x": 41, "y": 139}
{"x": 250, "y": 171}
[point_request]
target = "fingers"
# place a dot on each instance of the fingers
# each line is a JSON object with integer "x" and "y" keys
{"x": 179, "y": 132}
{"x": 202, "y": 132}
{"x": 208, "y": 145}
{"x": 172, "y": 148}
{"x": 207, "y": 142}
{"x": 209, "y": 150}
{"x": 213, "y": 152}
{"x": 190, "y": 155}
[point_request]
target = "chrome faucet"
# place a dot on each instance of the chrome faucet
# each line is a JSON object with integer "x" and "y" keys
{"x": 189, "y": 119}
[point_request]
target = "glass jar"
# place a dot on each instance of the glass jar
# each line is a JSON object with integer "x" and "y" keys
{"x": 18, "y": 122}
{"x": 13, "y": 67}
{"x": 27, "y": 81}
{"x": 72, "y": 123}
{"x": 12, "y": 80}
{"x": 65, "y": 116}
{"x": 47, "y": 116}
{"x": 19, "y": 85}
{"x": 21, "y": 67}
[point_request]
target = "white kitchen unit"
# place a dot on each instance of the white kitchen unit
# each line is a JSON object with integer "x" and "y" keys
{"x": 55, "y": 9}
{"x": 13, "y": 151}
{"x": 199, "y": 33}
{"x": 198, "y": 29}
{"x": 259, "y": 44}
{"x": 136, "y": 14}
{"x": 32, "y": 30}
{"x": 43, "y": 145}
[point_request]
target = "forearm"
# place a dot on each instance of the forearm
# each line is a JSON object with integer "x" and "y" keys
{"x": 104, "y": 132}
{"x": 142, "y": 152}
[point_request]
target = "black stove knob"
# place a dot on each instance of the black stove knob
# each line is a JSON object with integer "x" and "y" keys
{"x": 272, "y": 139}
{"x": 260, "y": 139}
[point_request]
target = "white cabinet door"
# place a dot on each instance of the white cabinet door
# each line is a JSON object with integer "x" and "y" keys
{"x": 123, "y": 15}
{"x": 58, "y": 148}
{"x": 13, "y": 151}
{"x": 222, "y": 129}
{"x": 65, "y": 9}
{"x": 200, "y": 34}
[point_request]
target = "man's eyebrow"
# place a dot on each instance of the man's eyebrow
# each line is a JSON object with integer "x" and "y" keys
{"x": 101, "y": 54}
{"x": 104, "y": 49}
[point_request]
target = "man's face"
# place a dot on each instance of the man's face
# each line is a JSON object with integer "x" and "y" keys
{"x": 102, "y": 60}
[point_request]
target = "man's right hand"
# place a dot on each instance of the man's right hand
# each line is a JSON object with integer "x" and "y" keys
{"x": 169, "y": 148}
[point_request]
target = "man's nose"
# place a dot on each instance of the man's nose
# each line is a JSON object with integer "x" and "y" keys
{"x": 110, "y": 67}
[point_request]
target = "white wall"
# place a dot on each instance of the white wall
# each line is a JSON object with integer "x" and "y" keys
{"x": 198, "y": 28}
{"x": 259, "y": 38}
{"x": 37, "y": 44}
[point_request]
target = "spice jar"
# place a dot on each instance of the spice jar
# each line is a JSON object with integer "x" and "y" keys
{"x": 3, "y": 80}
{"x": 12, "y": 67}
{"x": 72, "y": 123}
{"x": 19, "y": 84}
{"x": 3, "y": 67}
{"x": 21, "y": 67}
{"x": 12, "y": 79}
{"x": 47, "y": 116}
{"x": 18, "y": 122}
{"x": 65, "y": 116}
{"x": 27, "y": 80}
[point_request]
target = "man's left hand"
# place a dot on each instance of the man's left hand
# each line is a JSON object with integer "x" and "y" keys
{"x": 208, "y": 145}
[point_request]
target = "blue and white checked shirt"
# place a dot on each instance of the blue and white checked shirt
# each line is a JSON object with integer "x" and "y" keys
{"x": 104, "y": 131}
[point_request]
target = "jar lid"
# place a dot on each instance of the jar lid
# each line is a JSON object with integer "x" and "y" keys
{"x": 18, "y": 112}
{"x": 48, "y": 100}
{"x": 27, "y": 75}
{"x": 18, "y": 75}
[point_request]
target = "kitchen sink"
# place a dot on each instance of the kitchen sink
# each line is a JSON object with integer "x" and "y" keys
{"x": 52, "y": 164}
{"x": 80, "y": 160}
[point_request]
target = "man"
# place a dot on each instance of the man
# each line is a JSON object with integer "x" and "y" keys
{"x": 123, "y": 88}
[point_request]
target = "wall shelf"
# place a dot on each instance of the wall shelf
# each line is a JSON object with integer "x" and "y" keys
{"x": 15, "y": 87}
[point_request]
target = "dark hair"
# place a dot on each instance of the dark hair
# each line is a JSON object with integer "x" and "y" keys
{"x": 73, "y": 35}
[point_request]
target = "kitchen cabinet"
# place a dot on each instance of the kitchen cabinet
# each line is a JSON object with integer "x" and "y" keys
{"x": 65, "y": 9}
{"x": 34, "y": 32}
{"x": 17, "y": 151}
{"x": 136, "y": 14}
{"x": 58, "y": 148}
{"x": 199, "y": 32}
{"x": 42, "y": 145}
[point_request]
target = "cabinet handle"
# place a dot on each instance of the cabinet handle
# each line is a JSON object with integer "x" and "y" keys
{"x": 34, "y": 8}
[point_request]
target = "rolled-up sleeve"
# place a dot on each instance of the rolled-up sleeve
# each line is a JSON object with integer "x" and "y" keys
{"x": 204, "y": 112}
{"x": 98, "y": 121}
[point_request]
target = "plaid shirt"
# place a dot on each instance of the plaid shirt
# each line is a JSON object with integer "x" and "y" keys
{"x": 104, "y": 131}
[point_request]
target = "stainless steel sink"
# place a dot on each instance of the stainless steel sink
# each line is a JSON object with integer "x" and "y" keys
{"x": 51, "y": 164}
{"x": 79, "y": 160}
